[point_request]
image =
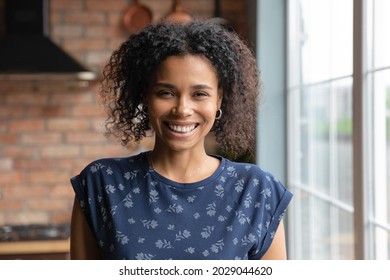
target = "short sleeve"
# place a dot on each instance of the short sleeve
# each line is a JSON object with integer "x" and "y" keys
{"x": 274, "y": 201}
{"x": 86, "y": 190}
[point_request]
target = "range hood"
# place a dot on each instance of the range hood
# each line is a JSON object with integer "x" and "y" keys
{"x": 25, "y": 46}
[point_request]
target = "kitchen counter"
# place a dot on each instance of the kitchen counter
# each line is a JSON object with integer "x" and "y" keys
{"x": 34, "y": 241}
{"x": 34, "y": 247}
{"x": 39, "y": 249}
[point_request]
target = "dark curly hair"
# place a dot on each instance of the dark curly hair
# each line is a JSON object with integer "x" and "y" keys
{"x": 127, "y": 74}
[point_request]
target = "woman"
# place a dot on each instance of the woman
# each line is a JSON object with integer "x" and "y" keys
{"x": 177, "y": 202}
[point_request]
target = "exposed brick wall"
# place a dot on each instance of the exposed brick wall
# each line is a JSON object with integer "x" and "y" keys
{"x": 48, "y": 133}
{"x": 51, "y": 128}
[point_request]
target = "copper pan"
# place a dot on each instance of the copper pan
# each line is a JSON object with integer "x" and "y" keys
{"x": 136, "y": 17}
{"x": 178, "y": 14}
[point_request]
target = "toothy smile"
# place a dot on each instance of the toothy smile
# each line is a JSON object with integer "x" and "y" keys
{"x": 182, "y": 128}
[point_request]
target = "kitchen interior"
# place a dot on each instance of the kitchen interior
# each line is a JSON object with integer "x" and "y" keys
{"x": 51, "y": 123}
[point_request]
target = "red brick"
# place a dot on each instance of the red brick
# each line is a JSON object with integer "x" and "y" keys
{"x": 78, "y": 45}
{"x": 10, "y": 204}
{"x": 64, "y": 98}
{"x": 47, "y": 177}
{"x": 103, "y": 151}
{"x": 63, "y": 191}
{"x": 11, "y": 177}
{"x": 86, "y": 138}
{"x": 46, "y": 111}
{"x": 104, "y": 5}
{"x": 46, "y": 163}
{"x": 3, "y": 126}
{"x": 25, "y": 217}
{"x": 26, "y": 125}
{"x": 71, "y": 163}
{"x": 34, "y": 164}
{"x": 56, "y": 18}
{"x": 23, "y": 191}
{"x": 98, "y": 124}
{"x": 68, "y": 124}
{"x": 65, "y": 6}
{"x": 11, "y": 111}
{"x": 101, "y": 31}
{"x": 6, "y": 164}
{"x": 60, "y": 151}
{"x": 48, "y": 204}
{"x": 28, "y": 98}
{"x": 115, "y": 19}
{"x": 99, "y": 58}
{"x": 19, "y": 151}
{"x": 9, "y": 139}
{"x": 93, "y": 110}
{"x": 40, "y": 138}
{"x": 15, "y": 84}
{"x": 84, "y": 17}
{"x": 115, "y": 43}
{"x": 68, "y": 31}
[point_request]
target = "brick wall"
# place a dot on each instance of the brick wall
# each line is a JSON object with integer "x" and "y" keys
{"x": 52, "y": 127}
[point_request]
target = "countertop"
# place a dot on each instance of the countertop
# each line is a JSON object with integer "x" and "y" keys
{"x": 35, "y": 247}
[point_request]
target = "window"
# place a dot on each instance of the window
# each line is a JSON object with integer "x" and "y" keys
{"x": 377, "y": 74}
{"x": 321, "y": 89}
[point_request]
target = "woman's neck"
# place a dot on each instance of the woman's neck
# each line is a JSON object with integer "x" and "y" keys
{"x": 183, "y": 167}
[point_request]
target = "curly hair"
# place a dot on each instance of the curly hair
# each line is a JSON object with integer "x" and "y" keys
{"x": 127, "y": 74}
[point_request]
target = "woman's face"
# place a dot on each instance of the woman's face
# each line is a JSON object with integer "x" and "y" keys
{"x": 182, "y": 100}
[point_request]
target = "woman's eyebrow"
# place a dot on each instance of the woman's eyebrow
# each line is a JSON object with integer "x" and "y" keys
{"x": 167, "y": 85}
{"x": 201, "y": 86}
{"x": 194, "y": 87}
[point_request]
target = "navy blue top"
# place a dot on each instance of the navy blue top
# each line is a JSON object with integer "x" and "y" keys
{"x": 135, "y": 213}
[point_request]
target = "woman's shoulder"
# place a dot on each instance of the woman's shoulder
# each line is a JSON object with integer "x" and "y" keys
{"x": 250, "y": 172}
{"x": 244, "y": 168}
{"x": 250, "y": 180}
{"x": 115, "y": 164}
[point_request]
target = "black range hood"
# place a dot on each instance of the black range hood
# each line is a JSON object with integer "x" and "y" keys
{"x": 25, "y": 46}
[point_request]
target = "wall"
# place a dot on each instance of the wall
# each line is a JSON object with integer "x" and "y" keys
{"x": 52, "y": 127}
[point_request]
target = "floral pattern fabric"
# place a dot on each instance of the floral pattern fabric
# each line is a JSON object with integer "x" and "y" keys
{"x": 135, "y": 213}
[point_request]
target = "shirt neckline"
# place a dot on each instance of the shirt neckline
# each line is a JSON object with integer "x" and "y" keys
{"x": 157, "y": 176}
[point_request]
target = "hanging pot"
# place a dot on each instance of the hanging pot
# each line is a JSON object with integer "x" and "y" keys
{"x": 178, "y": 14}
{"x": 136, "y": 17}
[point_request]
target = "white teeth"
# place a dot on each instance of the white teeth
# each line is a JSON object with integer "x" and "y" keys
{"x": 181, "y": 128}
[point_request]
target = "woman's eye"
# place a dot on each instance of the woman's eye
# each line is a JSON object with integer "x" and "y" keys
{"x": 200, "y": 94}
{"x": 165, "y": 93}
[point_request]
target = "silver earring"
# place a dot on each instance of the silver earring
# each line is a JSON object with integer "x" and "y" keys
{"x": 219, "y": 114}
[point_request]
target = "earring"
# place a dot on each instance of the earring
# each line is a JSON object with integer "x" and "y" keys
{"x": 219, "y": 114}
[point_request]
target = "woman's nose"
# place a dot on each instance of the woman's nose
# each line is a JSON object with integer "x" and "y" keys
{"x": 182, "y": 108}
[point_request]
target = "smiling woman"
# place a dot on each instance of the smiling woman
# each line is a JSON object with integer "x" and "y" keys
{"x": 176, "y": 201}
